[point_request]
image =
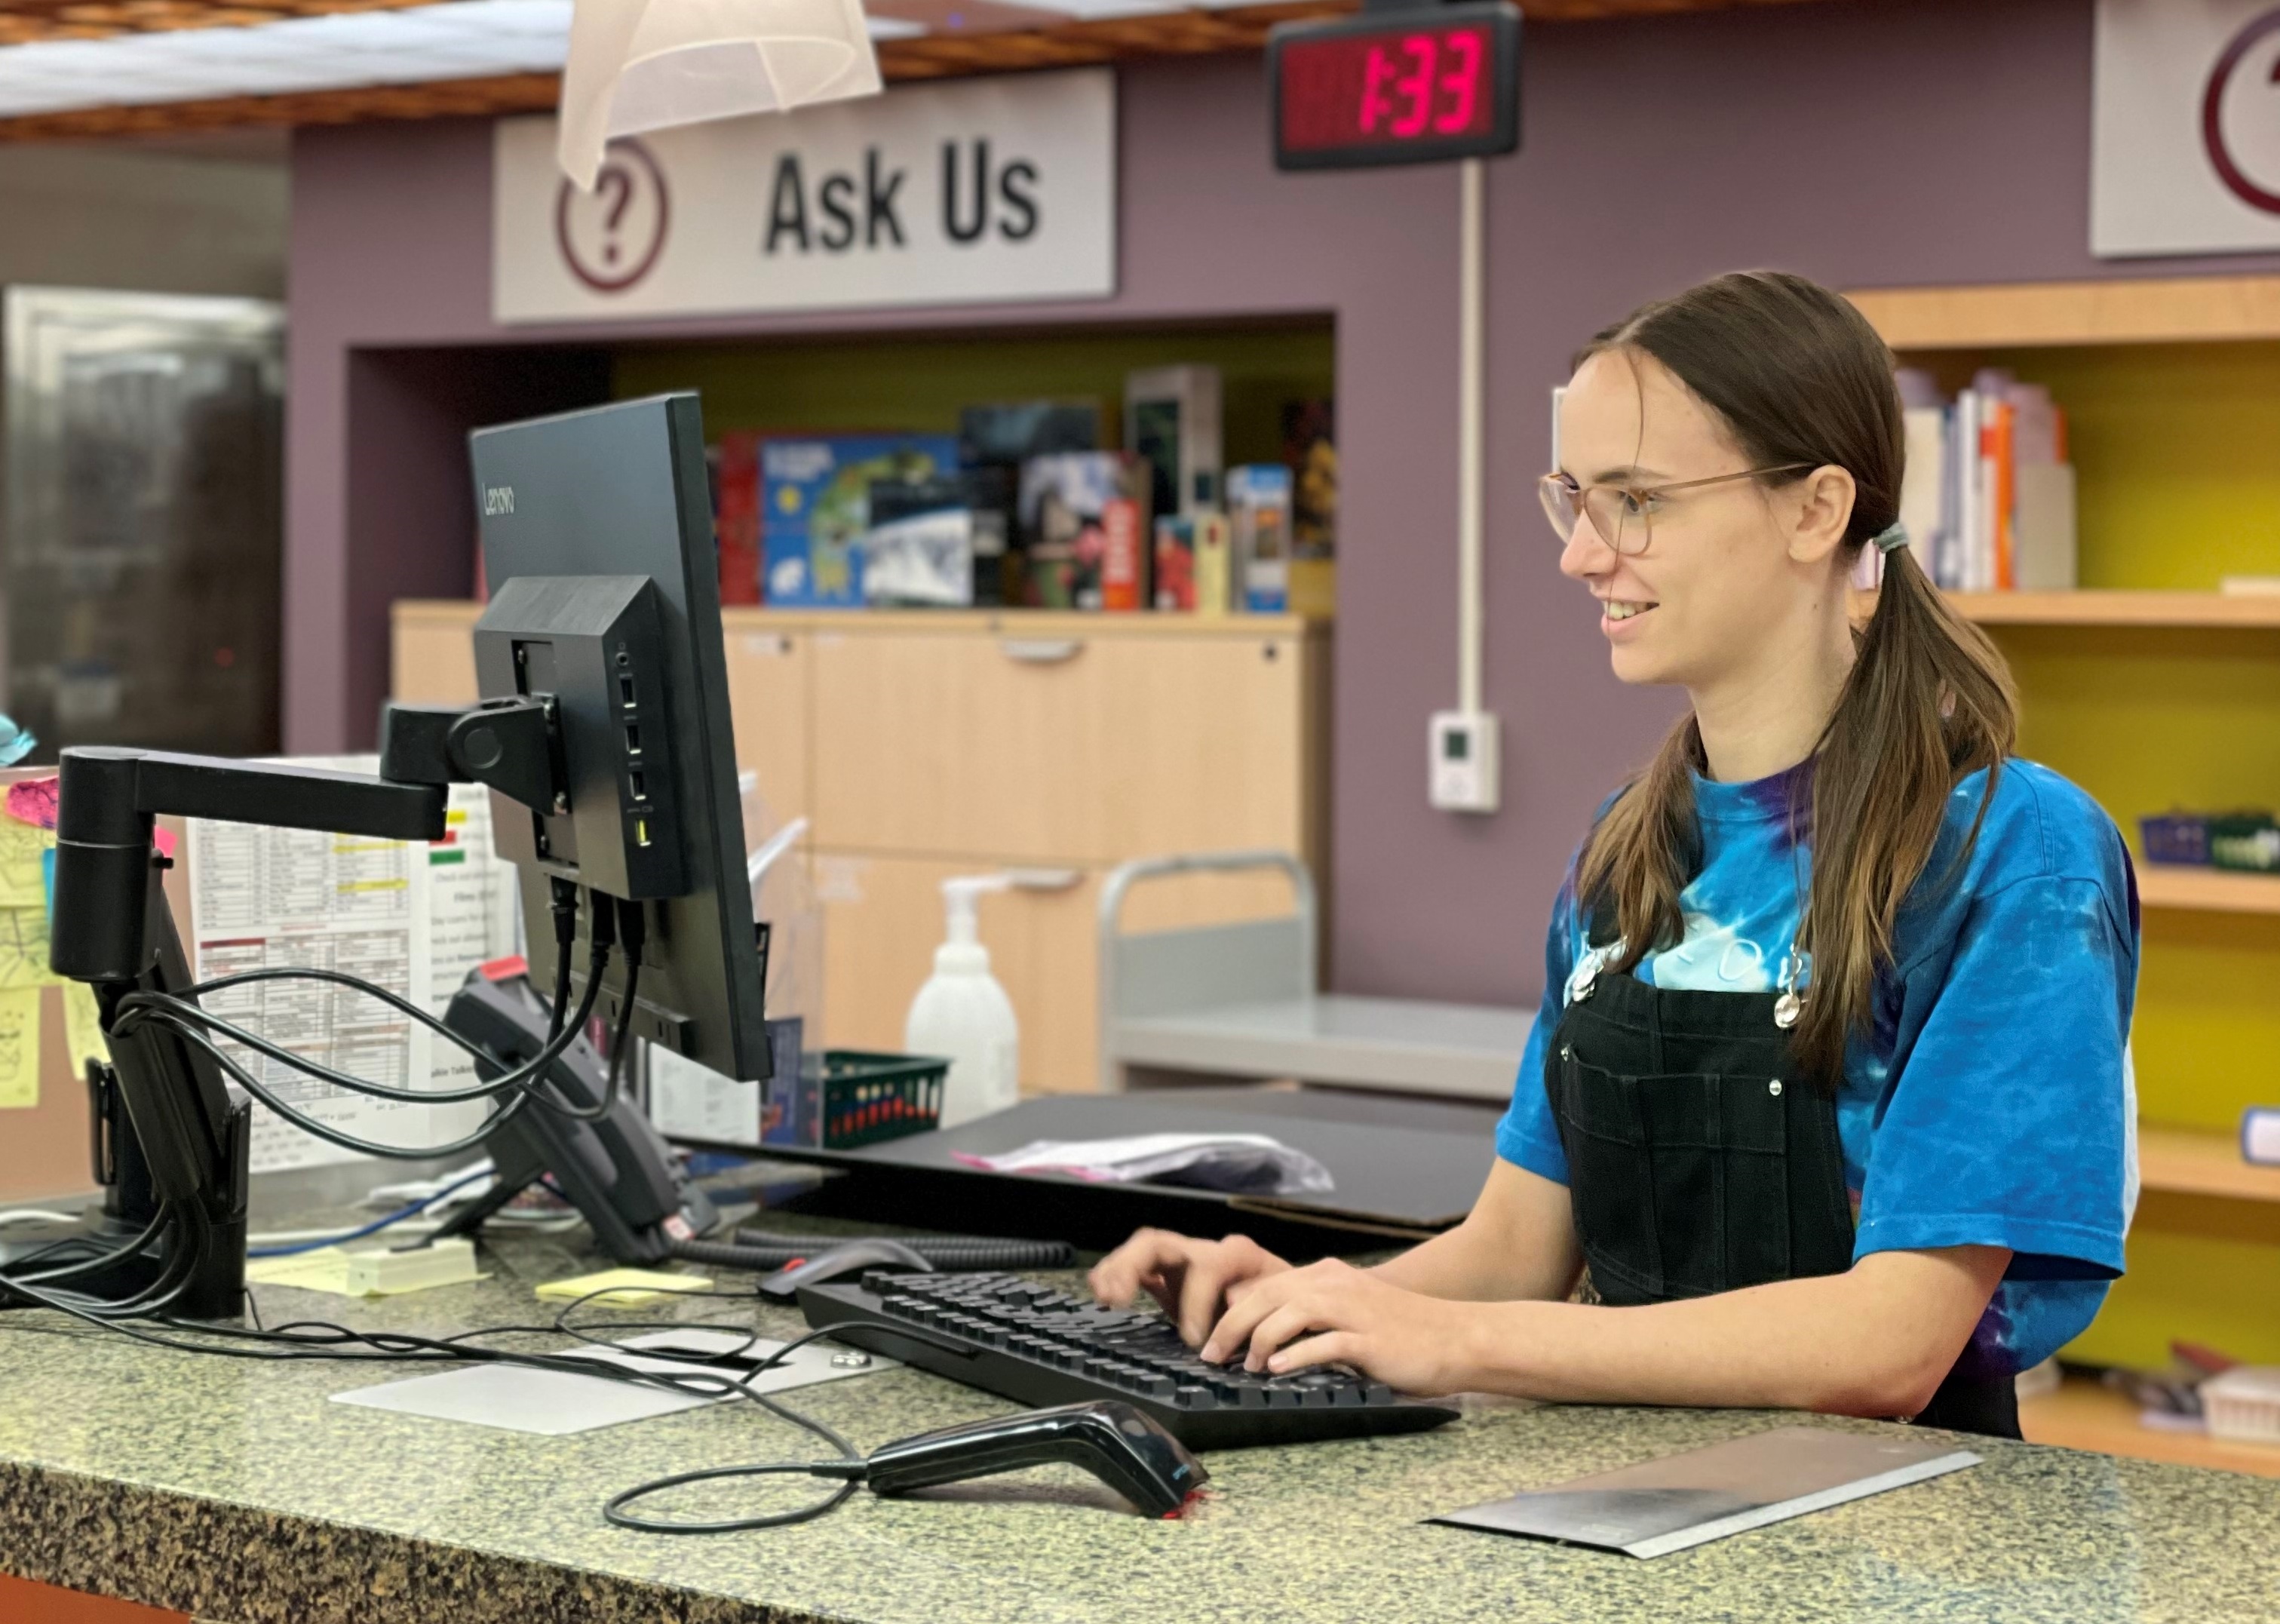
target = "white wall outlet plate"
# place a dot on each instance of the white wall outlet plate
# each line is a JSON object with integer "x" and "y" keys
{"x": 1463, "y": 775}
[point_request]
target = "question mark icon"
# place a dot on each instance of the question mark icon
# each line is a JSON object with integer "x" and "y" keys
{"x": 617, "y": 186}
{"x": 604, "y": 219}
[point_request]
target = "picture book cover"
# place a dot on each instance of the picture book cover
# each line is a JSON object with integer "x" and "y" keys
{"x": 815, "y": 495}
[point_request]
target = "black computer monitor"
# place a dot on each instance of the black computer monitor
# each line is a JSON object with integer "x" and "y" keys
{"x": 599, "y": 548}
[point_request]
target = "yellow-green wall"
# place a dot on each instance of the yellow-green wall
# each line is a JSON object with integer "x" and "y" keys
{"x": 918, "y": 384}
{"x": 2176, "y": 449}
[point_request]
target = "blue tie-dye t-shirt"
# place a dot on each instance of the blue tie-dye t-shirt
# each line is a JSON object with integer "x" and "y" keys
{"x": 1991, "y": 1103}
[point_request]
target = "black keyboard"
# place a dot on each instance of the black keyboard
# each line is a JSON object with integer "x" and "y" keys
{"x": 1038, "y": 1347}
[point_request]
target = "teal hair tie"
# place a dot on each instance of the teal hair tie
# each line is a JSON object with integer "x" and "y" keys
{"x": 1893, "y": 534}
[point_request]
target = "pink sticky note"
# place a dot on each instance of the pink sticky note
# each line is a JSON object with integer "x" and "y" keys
{"x": 33, "y": 802}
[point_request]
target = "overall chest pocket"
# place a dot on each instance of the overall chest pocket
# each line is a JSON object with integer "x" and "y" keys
{"x": 1680, "y": 1182}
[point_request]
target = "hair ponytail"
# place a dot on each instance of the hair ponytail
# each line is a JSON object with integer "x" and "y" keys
{"x": 1799, "y": 376}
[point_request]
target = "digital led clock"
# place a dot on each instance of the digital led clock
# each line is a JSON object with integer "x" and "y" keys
{"x": 1404, "y": 85}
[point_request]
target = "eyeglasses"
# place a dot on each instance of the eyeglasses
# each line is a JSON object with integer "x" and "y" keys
{"x": 1623, "y": 515}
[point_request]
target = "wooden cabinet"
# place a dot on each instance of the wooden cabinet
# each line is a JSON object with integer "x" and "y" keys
{"x": 1210, "y": 743}
{"x": 926, "y": 745}
{"x": 959, "y": 741}
{"x": 432, "y": 653}
{"x": 1077, "y": 742}
{"x": 770, "y": 694}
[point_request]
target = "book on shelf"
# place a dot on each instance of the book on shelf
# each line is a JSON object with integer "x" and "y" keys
{"x": 1988, "y": 493}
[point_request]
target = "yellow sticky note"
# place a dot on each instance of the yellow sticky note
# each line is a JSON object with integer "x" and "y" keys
{"x": 325, "y": 1269}
{"x": 24, "y": 948}
{"x": 626, "y": 1288}
{"x": 19, "y": 1048}
{"x": 83, "y": 1027}
{"x": 333, "y": 1269}
{"x": 23, "y": 864}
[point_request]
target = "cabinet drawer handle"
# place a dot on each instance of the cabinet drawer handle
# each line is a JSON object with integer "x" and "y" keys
{"x": 1044, "y": 878}
{"x": 1041, "y": 650}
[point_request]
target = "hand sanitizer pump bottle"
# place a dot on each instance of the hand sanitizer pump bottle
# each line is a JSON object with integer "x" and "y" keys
{"x": 964, "y": 1015}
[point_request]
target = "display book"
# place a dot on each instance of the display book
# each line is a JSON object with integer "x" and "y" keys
{"x": 1025, "y": 508}
{"x": 1988, "y": 495}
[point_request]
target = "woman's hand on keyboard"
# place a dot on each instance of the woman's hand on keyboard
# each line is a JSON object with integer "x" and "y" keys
{"x": 1331, "y": 1312}
{"x": 1193, "y": 1280}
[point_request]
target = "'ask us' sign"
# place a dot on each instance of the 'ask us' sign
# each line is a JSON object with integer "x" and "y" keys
{"x": 1002, "y": 188}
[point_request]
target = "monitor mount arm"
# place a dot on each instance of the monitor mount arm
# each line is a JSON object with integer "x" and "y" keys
{"x": 514, "y": 746}
{"x": 168, "y": 1126}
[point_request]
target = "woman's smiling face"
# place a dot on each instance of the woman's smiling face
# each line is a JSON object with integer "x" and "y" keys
{"x": 1716, "y": 568}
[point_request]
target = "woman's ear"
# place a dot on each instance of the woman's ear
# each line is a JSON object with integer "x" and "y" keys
{"x": 1822, "y": 509}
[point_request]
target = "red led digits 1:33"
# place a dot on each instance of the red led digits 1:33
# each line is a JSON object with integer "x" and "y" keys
{"x": 1382, "y": 89}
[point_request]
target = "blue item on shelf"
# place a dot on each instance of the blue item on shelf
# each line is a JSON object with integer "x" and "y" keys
{"x": 815, "y": 509}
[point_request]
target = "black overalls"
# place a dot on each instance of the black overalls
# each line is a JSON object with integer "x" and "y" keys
{"x": 1698, "y": 1163}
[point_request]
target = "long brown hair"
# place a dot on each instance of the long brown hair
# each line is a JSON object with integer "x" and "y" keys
{"x": 1798, "y": 376}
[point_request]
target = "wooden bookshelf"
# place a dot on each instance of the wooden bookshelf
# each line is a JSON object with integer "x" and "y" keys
{"x": 2168, "y": 885}
{"x": 2090, "y": 607}
{"x": 2083, "y": 1414}
{"x": 2138, "y": 311}
{"x": 2186, "y": 1162}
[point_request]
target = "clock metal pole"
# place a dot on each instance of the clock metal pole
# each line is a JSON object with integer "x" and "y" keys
{"x": 1473, "y": 252}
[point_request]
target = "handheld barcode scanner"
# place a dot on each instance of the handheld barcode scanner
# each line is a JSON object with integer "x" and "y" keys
{"x": 1111, "y": 1439}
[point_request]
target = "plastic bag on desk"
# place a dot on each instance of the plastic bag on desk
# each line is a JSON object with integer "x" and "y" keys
{"x": 1238, "y": 1164}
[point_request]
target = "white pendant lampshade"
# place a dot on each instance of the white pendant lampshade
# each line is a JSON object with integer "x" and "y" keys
{"x": 649, "y": 65}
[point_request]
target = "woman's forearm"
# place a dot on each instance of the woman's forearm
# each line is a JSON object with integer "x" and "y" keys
{"x": 1518, "y": 1241}
{"x": 1876, "y": 1340}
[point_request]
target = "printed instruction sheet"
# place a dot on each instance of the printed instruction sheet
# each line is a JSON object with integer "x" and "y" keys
{"x": 412, "y": 917}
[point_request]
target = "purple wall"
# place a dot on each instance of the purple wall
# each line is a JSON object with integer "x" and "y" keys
{"x": 1864, "y": 144}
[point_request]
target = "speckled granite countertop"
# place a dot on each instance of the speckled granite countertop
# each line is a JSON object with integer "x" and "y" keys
{"x": 234, "y": 1491}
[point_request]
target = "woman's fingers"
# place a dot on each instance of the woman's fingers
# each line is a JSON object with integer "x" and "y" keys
{"x": 1191, "y": 1278}
{"x": 1244, "y": 1314}
{"x": 1205, "y": 1289}
{"x": 1288, "y": 1323}
{"x": 1330, "y": 1348}
{"x": 1151, "y": 1258}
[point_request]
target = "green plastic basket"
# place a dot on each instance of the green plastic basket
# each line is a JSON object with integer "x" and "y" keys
{"x": 868, "y": 1097}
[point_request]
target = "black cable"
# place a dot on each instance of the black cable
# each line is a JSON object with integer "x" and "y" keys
{"x": 117, "y": 1255}
{"x": 183, "y": 1254}
{"x": 193, "y": 1023}
{"x": 318, "y": 1339}
{"x": 161, "y": 1223}
{"x": 325, "y": 1130}
{"x": 613, "y": 1509}
{"x": 137, "y": 1006}
{"x": 563, "y": 899}
{"x": 851, "y": 1465}
{"x": 391, "y": 1346}
{"x": 184, "y": 1006}
{"x": 632, "y": 934}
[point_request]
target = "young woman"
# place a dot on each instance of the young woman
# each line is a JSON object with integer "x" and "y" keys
{"x": 1830, "y": 1093}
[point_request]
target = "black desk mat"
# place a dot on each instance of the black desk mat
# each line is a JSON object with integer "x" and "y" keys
{"x": 1405, "y": 1169}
